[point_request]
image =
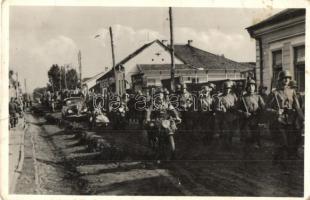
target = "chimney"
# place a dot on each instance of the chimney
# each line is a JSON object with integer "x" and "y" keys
{"x": 165, "y": 42}
{"x": 189, "y": 42}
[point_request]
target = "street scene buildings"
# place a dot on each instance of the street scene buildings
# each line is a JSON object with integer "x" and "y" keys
{"x": 209, "y": 105}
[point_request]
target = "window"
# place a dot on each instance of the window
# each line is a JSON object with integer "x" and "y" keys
{"x": 299, "y": 67}
{"x": 276, "y": 66}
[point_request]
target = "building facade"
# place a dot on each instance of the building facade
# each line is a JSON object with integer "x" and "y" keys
{"x": 280, "y": 45}
{"x": 150, "y": 64}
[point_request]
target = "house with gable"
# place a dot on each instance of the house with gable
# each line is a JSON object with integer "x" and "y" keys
{"x": 151, "y": 63}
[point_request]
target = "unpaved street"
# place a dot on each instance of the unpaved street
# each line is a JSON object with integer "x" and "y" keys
{"x": 57, "y": 162}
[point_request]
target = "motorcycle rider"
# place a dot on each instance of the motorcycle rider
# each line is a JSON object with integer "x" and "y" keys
{"x": 161, "y": 109}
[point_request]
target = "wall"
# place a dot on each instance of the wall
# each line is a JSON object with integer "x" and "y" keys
{"x": 148, "y": 56}
{"x": 283, "y": 39}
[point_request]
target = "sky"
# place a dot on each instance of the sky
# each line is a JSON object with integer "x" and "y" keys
{"x": 40, "y": 36}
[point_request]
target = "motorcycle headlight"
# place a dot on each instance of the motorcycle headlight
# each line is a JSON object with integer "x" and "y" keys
{"x": 85, "y": 110}
{"x": 165, "y": 123}
{"x": 121, "y": 109}
{"x": 70, "y": 111}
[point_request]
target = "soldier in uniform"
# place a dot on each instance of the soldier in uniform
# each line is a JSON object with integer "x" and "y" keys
{"x": 250, "y": 106}
{"x": 160, "y": 109}
{"x": 226, "y": 113}
{"x": 283, "y": 105}
{"x": 263, "y": 92}
{"x": 185, "y": 105}
{"x": 206, "y": 110}
{"x": 299, "y": 123}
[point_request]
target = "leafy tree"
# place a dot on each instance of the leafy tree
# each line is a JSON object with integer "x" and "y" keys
{"x": 72, "y": 79}
{"x": 54, "y": 76}
{"x": 61, "y": 77}
{"x": 37, "y": 92}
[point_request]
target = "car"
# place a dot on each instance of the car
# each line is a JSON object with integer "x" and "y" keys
{"x": 74, "y": 108}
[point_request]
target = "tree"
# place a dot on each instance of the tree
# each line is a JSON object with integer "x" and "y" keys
{"x": 54, "y": 76}
{"x": 38, "y": 92}
{"x": 72, "y": 79}
{"x": 61, "y": 77}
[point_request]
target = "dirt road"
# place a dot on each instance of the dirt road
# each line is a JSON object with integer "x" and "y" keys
{"x": 56, "y": 162}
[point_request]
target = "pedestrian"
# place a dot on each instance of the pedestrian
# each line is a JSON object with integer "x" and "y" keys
{"x": 284, "y": 108}
{"x": 250, "y": 106}
{"x": 13, "y": 112}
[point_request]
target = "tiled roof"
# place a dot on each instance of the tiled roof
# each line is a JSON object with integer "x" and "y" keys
{"x": 191, "y": 56}
{"x": 203, "y": 59}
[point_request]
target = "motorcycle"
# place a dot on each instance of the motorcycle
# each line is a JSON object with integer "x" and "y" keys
{"x": 161, "y": 137}
{"x": 98, "y": 118}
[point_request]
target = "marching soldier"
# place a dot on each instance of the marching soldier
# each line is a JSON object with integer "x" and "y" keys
{"x": 226, "y": 113}
{"x": 250, "y": 107}
{"x": 206, "y": 109}
{"x": 299, "y": 123}
{"x": 263, "y": 92}
{"x": 284, "y": 106}
{"x": 185, "y": 104}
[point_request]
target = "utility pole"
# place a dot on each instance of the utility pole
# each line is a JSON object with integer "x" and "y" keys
{"x": 17, "y": 87}
{"x": 80, "y": 66}
{"x": 65, "y": 77}
{"x": 60, "y": 74}
{"x": 172, "y": 51}
{"x": 25, "y": 83}
{"x": 113, "y": 62}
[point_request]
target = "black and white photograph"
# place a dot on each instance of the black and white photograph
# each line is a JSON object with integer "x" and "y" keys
{"x": 156, "y": 101}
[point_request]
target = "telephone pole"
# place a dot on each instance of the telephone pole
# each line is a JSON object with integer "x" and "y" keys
{"x": 25, "y": 83}
{"x": 172, "y": 51}
{"x": 113, "y": 62}
{"x": 80, "y": 66}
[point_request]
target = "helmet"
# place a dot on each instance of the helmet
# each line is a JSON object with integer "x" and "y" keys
{"x": 293, "y": 84}
{"x": 263, "y": 87}
{"x": 166, "y": 91}
{"x": 227, "y": 84}
{"x": 239, "y": 84}
{"x": 211, "y": 85}
{"x": 178, "y": 87}
{"x": 251, "y": 82}
{"x": 284, "y": 74}
{"x": 159, "y": 90}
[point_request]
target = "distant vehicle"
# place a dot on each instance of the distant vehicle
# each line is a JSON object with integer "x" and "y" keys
{"x": 74, "y": 108}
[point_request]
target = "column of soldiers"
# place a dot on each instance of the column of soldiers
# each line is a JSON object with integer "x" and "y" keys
{"x": 239, "y": 109}
{"x": 249, "y": 110}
